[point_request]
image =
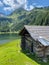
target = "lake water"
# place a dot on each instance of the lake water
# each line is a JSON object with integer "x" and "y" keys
{"x": 4, "y": 38}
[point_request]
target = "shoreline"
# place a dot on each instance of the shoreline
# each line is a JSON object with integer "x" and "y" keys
{"x": 8, "y": 32}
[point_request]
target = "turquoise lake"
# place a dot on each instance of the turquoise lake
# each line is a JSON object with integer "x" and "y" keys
{"x": 4, "y": 38}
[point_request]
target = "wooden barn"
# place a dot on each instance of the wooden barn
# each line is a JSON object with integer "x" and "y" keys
{"x": 35, "y": 39}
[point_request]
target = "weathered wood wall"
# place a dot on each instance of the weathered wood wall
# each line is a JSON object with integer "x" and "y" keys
{"x": 47, "y": 51}
{"x": 38, "y": 48}
{"x": 28, "y": 42}
{"x": 23, "y": 43}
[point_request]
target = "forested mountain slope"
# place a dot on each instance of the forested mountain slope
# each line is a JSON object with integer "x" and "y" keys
{"x": 16, "y": 20}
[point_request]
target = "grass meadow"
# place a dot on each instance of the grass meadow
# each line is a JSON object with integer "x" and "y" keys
{"x": 10, "y": 54}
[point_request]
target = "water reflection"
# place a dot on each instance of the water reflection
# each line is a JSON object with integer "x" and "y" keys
{"x": 8, "y": 37}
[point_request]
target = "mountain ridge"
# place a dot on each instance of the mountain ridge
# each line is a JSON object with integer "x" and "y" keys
{"x": 21, "y": 17}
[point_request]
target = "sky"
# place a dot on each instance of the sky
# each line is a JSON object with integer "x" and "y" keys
{"x": 8, "y": 6}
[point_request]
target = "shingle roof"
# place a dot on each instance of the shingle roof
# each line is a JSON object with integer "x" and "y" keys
{"x": 39, "y": 32}
{"x": 43, "y": 41}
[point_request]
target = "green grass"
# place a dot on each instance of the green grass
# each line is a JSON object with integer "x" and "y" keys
{"x": 10, "y": 54}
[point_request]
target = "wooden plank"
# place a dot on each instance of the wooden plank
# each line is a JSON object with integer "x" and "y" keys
{"x": 28, "y": 38}
{"x": 23, "y": 43}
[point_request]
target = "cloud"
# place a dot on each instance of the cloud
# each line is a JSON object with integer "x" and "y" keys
{"x": 14, "y": 4}
{"x": 11, "y": 4}
{"x": 21, "y": 1}
{"x": 8, "y": 2}
{"x": 7, "y": 8}
{"x": 39, "y": 6}
{"x": 11, "y": 8}
{"x": 30, "y": 7}
{"x": 1, "y": 4}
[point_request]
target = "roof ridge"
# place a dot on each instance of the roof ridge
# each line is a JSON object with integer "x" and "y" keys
{"x": 35, "y": 25}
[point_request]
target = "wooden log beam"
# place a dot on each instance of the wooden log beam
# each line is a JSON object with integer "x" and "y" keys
{"x": 28, "y": 38}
